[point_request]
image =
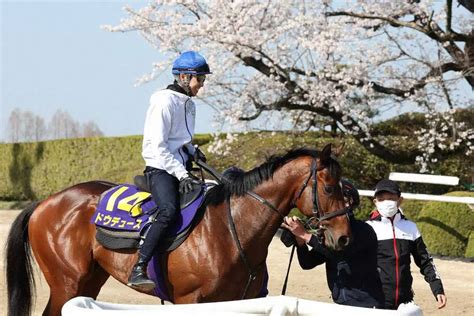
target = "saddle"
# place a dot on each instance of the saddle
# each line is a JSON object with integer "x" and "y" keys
{"x": 125, "y": 212}
{"x": 184, "y": 199}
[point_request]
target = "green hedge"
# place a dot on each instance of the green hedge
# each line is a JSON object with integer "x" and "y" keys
{"x": 35, "y": 170}
{"x": 447, "y": 227}
{"x": 31, "y": 171}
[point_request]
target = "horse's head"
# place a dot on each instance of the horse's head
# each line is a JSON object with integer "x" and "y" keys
{"x": 321, "y": 199}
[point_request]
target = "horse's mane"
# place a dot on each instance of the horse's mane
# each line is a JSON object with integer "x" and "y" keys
{"x": 238, "y": 182}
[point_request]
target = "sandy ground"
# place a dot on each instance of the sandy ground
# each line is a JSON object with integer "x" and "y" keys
{"x": 458, "y": 279}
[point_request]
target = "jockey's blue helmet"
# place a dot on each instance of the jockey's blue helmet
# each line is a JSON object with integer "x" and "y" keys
{"x": 190, "y": 62}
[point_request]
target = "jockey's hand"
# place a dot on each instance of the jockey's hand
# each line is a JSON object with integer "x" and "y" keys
{"x": 294, "y": 225}
{"x": 199, "y": 155}
{"x": 187, "y": 183}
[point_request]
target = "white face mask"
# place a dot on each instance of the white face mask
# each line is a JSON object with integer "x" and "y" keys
{"x": 387, "y": 208}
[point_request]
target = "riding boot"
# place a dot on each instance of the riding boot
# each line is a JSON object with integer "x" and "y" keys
{"x": 138, "y": 278}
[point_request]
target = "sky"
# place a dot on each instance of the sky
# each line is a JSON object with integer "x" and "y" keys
{"x": 54, "y": 55}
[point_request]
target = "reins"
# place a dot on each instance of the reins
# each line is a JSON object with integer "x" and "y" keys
{"x": 283, "y": 290}
{"x": 252, "y": 272}
{"x": 218, "y": 176}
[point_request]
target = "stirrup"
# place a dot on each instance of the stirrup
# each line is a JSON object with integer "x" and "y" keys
{"x": 138, "y": 278}
{"x": 142, "y": 284}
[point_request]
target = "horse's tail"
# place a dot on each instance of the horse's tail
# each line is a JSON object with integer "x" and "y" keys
{"x": 20, "y": 280}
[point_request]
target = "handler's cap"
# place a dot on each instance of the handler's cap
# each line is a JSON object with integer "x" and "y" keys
{"x": 386, "y": 185}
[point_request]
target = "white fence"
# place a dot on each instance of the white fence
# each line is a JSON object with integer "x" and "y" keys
{"x": 424, "y": 178}
{"x": 272, "y": 305}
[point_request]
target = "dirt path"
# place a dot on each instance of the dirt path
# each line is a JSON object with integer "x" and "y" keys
{"x": 458, "y": 279}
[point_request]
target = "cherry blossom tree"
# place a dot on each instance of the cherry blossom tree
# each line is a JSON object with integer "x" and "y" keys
{"x": 352, "y": 63}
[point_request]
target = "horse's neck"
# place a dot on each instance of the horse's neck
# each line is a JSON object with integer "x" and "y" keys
{"x": 257, "y": 223}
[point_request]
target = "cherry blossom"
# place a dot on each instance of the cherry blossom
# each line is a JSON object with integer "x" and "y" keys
{"x": 353, "y": 63}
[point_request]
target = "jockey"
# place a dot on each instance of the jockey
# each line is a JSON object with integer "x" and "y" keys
{"x": 167, "y": 151}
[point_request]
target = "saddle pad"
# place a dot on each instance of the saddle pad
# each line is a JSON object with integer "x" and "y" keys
{"x": 116, "y": 206}
{"x": 114, "y": 209}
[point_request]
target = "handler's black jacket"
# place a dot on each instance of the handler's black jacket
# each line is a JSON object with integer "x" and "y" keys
{"x": 398, "y": 238}
{"x": 352, "y": 274}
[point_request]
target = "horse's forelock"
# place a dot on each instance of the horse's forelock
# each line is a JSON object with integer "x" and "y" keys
{"x": 334, "y": 169}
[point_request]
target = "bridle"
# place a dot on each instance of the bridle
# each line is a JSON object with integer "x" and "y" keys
{"x": 318, "y": 215}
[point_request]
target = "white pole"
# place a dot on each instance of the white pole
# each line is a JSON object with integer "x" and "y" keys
{"x": 427, "y": 197}
{"x": 423, "y": 178}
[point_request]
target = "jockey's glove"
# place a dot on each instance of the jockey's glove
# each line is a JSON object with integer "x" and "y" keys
{"x": 199, "y": 155}
{"x": 187, "y": 184}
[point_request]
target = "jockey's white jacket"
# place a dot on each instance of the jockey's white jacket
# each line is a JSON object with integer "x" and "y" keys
{"x": 169, "y": 125}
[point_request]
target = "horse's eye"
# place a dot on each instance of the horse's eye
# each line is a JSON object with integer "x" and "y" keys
{"x": 329, "y": 189}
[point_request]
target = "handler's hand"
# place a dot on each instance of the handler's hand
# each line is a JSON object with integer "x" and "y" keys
{"x": 294, "y": 225}
{"x": 441, "y": 298}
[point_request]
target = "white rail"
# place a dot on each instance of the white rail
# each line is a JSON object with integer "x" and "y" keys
{"x": 272, "y": 305}
{"x": 427, "y": 197}
{"x": 423, "y": 178}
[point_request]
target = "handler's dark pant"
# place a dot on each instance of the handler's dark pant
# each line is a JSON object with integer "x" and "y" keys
{"x": 164, "y": 190}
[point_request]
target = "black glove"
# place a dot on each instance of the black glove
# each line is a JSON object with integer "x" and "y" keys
{"x": 187, "y": 184}
{"x": 199, "y": 155}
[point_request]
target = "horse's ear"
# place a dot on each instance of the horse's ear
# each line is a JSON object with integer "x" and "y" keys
{"x": 338, "y": 150}
{"x": 325, "y": 154}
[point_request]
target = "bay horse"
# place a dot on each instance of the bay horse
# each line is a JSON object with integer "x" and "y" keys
{"x": 222, "y": 259}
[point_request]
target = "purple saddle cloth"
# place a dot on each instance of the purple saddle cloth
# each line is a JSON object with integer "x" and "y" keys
{"x": 125, "y": 208}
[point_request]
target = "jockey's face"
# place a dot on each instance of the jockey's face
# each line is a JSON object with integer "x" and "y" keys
{"x": 196, "y": 83}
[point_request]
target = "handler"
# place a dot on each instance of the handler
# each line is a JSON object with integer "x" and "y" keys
{"x": 352, "y": 273}
{"x": 398, "y": 239}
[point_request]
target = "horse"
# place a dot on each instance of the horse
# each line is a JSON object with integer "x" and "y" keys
{"x": 222, "y": 259}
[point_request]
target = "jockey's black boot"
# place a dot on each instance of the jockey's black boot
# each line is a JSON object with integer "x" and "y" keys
{"x": 138, "y": 278}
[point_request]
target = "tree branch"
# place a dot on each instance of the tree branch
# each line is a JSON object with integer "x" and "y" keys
{"x": 449, "y": 15}
{"x": 403, "y": 93}
{"x": 259, "y": 65}
{"x": 468, "y": 4}
{"x": 442, "y": 37}
{"x": 374, "y": 147}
